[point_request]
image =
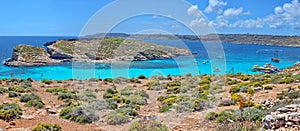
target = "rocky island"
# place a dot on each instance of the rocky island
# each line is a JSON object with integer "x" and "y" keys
{"x": 91, "y": 50}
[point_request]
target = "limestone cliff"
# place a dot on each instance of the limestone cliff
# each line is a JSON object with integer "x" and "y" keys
{"x": 25, "y": 55}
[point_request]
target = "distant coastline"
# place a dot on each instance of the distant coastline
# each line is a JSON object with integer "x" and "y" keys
{"x": 275, "y": 40}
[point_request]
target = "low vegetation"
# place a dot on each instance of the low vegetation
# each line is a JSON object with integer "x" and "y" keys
{"x": 47, "y": 127}
{"x": 9, "y": 112}
{"x": 147, "y": 125}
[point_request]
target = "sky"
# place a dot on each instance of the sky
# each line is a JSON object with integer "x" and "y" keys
{"x": 71, "y": 17}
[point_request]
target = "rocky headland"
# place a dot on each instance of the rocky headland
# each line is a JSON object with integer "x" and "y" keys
{"x": 25, "y": 55}
{"x": 91, "y": 50}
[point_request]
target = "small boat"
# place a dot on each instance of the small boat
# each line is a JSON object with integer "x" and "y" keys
{"x": 215, "y": 69}
{"x": 220, "y": 57}
{"x": 275, "y": 58}
{"x": 194, "y": 53}
{"x": 205, "y": 62}
{"x": 267, "y": 69}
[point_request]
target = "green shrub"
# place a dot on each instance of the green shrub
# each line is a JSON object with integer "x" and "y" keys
{"x": 47, "y": 127}
{"x": 28, "y": 97}
{"x": 25, "y": 84}
{"x": 173, "y": 89}
{"x": 232, "y": 82}
{"x": 225, "y": 116}
{"x": 234, "y": 89}
{"x": 165, "y": 108}
{"x": 88, "y": 96}
{"x": 10, "y": 111}
{"x": 67, "y": 95}
{"x": 256, "y": 115}
{"x": 289, "y": 80}
{"x": 137, "y": 81}
{"x": 169, "y": 100}
{"x": 141, "y": 93}
{"x": 235, "y": 97}
{"x": 204, "y": 81}
{"x": 174, "y": 83}
{"x": 128, "y": 90}
{"x": 13, "y": 94}
{"x": 250, "y": 91}
{"x": 147, "y": 125}
{"x": 136, "y": 99}
{"x": 268, "y": 87}
{"x": 226, "y": 103}
{"x": 245, "y": 77}
{"x": 79, "y": 114}
{"x": 46, "y": 81}
{"x": 257, "y": 84}
{"x": 16, "y": 89}
{"x": 116, "y": 118}
{"x": 155, "y": 85}
{"x": 142, "y": 77}
{"x": 248, "y": 104}
{"x": 204, "y": 86}
{"x": 128, "y": 110}
{"x": 202, "y": 96}
{"x": 108, "y": 80}
{"x": 244, "y": 89}
{"x": 35, "y": 103}
{"x": 3, "y": 90}
{"x": 211, "y": 116}
{"x": 111, "y": 91}
{"x": 57, "y": 89}
{"x": 290, "y": 95}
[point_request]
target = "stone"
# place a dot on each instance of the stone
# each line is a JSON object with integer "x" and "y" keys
{"x": 283, "y": 109}
{"x": 293, "y": 106}
{"x": 13, "y": 123}
{"x": 51, "y": 111}
{"x": 281, "y": 116}
{"x": 28, "y": 117}
{"x": 289, "y": 123}
{"x": 284, "y": 119}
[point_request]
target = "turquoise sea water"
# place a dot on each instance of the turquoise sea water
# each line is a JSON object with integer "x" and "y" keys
{"x": 239, "y": 57}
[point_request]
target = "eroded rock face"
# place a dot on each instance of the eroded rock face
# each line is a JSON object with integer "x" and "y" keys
{"x": 25, "y": 55}
{"x": 285, "y": 118}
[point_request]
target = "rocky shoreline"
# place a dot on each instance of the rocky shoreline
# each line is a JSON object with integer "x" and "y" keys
{"x": 91, "y": 50}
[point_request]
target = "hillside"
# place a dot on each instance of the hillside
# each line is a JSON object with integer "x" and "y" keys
{"x": 232, "y": 38}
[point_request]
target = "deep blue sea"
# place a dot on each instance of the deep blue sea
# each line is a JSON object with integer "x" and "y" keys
{"x": 238, "y": 58}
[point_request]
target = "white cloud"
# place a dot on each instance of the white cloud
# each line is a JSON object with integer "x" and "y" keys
{"x": 198, "y": 22}
{"x": 194, "y": 11}
{"x": 278, "y": 10}
{"x": 221, "y": 22}
{"x": 287, "y": 15}
{"x": 232, "y": 12}
{"x": 215, "y": 6}
{"x": 250, "y": 23}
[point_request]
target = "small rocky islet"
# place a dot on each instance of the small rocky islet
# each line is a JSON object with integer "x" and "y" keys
{"x": 91, "y": 50}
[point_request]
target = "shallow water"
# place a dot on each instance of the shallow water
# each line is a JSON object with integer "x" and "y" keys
{"x": 239, "y": 57}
